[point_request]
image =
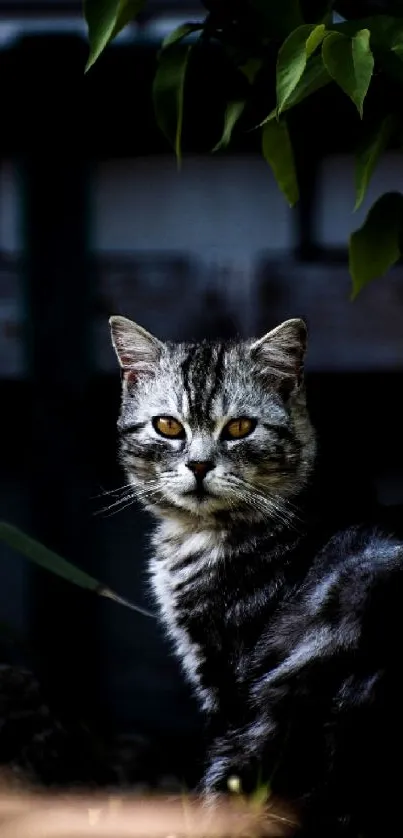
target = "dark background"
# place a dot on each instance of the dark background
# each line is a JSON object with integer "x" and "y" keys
{"x": 95, "y": 220}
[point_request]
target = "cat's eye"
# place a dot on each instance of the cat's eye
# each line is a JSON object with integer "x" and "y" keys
{"x": 238, "y": 428}
{"x": 169, "y": 427}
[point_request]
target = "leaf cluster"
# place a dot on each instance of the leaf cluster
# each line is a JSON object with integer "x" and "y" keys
{"x": 305, "y": 46}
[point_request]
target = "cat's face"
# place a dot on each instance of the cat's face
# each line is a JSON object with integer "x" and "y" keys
{"x": 214, "y": 428}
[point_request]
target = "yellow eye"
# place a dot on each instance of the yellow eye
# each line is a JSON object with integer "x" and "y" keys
{"x": 169, "y": 427}
{"x": 238, "y": 428}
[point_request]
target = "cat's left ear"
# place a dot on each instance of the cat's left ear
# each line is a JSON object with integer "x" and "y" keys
{"x": 280, "y": 355}
{"x": 137, "y": 350}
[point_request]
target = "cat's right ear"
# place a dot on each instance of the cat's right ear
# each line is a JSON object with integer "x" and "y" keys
{"x": 280, "y": 355}
{"x": 138, "y": 352}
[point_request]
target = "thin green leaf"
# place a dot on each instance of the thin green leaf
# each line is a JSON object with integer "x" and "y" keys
{"x": 180, "y": 33}
{"x": 375, "y": 247}
{"x": 105, "y": 19}
{"x": 49, "y": 560}
{"x": 292, "y": 59}
{"x": 314, "y": 78}
{"x": 363, "y": 61}
{"x": 349, "y": 61}
{"x": 278, "y": 152}
{"x": 168, "y": 91}
{"x": 233, "y": 112}
{"x": 368, "y": 155}
{"x": 261, "y": 796}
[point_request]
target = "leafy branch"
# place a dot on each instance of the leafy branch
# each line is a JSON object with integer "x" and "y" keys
{"x": 311, "y": 51}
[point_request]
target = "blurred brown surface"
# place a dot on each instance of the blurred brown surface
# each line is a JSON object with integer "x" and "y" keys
{"x": 24, "y": 814}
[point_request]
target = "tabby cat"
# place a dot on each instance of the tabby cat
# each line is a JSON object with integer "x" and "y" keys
{"x": 289, "y": 631}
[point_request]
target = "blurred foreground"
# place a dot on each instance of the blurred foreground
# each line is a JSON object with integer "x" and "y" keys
{"x": 23, "y": 814}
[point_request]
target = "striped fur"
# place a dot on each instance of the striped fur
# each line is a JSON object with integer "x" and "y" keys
{"x": 288, "y": 632}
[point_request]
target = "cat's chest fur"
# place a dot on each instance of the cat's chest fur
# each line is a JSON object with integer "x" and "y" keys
{"x": 214, "y": 605}
{"x": 184, "y": 574}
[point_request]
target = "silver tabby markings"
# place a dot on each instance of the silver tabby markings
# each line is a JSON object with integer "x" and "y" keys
{"x": 203, "y": 387}
{"x": 289, "y": 631}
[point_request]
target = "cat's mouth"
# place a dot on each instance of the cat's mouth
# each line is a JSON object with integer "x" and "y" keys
{"x": 200, "y": 493}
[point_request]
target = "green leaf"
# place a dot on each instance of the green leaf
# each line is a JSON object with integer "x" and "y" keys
{"x": 180, "y": 33}
{"x": 368, "y": 155}
{"x": 314, "y": 77}
{"x": 375, "y": 247}
{"x": 292, "y": 59}
{"x": 42, "y": 556}
{"x": 315, "y": 38}
{"x": 349, "y": 61}
{"x": 363, "y": 62}
{"x": 277, "y": 151}
{"x": 105, "y": 19}
{"x": 386, "y": 31}
{"x": 168, "y": 90}
{"x": 232, "y": 113}
{"x": 386, "y": 39}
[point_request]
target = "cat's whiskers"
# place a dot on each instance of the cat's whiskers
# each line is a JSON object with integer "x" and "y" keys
{"x": 129, "y": 498}
{"x": 117, "y": 505}
{"x": 116, "y": 491}
{"x": 277, "y": 507}
{"x": 120, "y": 508}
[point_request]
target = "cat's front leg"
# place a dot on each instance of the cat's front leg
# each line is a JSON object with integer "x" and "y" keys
{"x": 238, "y": 753}
{"x": 222, "y": 763}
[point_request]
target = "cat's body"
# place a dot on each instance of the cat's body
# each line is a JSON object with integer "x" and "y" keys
{"x": 289, "y": 633}
{"x": 307, "y": 655}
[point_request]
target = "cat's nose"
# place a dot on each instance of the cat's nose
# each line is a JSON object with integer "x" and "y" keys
{"x": 200, "y": 467}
